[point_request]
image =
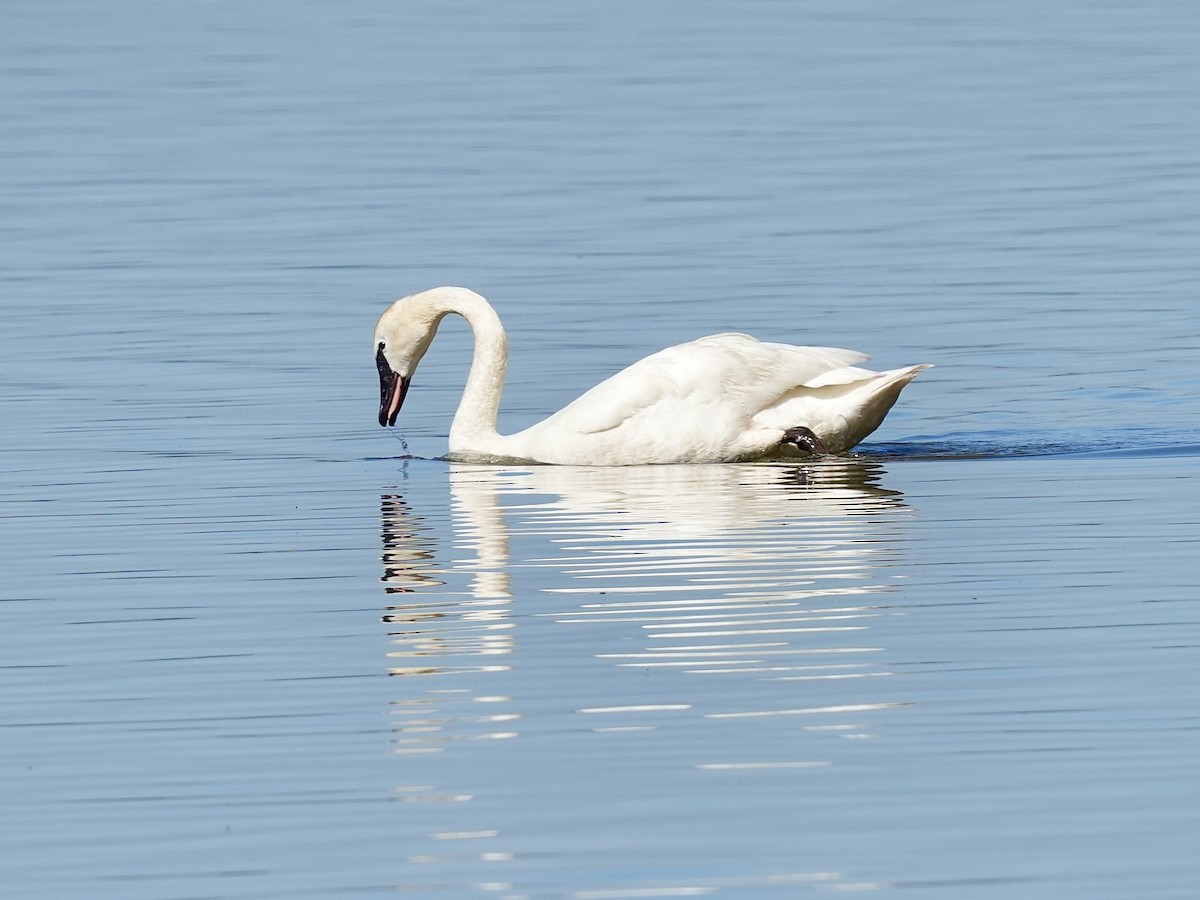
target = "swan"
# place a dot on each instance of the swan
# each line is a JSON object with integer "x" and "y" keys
{"x": 722, "y": 398}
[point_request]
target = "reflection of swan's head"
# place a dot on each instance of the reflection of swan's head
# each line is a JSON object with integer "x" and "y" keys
{"x": 402, "y": 335}
{"x": 408, "y": 552}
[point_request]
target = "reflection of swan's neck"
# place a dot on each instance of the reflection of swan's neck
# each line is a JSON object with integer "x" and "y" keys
{"x": 475, "y": 422}
{"x": 479, "y": 525}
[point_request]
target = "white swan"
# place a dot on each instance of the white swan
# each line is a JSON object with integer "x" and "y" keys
{"x": 723, "y": 398}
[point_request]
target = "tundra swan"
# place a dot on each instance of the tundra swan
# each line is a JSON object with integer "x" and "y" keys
{"x": 722, "y": 398}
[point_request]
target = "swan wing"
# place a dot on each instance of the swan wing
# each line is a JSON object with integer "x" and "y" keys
{"x": 734, "y": 373}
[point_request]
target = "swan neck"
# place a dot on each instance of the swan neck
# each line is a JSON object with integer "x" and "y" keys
{"x": 479, "y": 408}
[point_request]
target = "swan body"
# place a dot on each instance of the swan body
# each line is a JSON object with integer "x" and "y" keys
{"x": 722, "y": 398}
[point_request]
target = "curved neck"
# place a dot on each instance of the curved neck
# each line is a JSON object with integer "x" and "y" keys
{"x": 480, "y": 404}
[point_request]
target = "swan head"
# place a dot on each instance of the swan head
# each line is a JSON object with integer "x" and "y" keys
{"x": 402, "y": 336}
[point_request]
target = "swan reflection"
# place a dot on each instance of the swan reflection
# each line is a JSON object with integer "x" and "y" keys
{"x": 722, "y": 568}
{"x": 770, "y": 569}
{"x": 593, "y": 613}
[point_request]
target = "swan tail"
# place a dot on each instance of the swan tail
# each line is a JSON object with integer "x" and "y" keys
{"x": 842, "y": 406}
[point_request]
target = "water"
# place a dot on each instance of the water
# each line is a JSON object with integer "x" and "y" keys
{"x": 256, "y": 647}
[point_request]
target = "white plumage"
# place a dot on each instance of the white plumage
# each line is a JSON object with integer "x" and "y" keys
{"x": 722, "y": 398}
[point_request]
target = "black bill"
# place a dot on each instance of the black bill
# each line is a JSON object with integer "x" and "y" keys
{"x": 392, "y": 389}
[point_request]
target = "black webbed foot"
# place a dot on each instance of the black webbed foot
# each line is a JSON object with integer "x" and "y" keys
{"x": 804, "y": 439}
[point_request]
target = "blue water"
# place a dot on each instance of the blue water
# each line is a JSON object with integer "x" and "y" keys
{"x": 254, "y": 646}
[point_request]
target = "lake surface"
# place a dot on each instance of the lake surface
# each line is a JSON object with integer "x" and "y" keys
{"x": 254, "y": 646}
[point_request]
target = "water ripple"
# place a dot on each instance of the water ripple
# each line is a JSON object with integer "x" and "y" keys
{"x": 1132, "y": 442}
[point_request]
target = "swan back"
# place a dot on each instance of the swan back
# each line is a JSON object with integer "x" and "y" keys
{"x": 694, "y": 402}
{"x": 733, "y": 370}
